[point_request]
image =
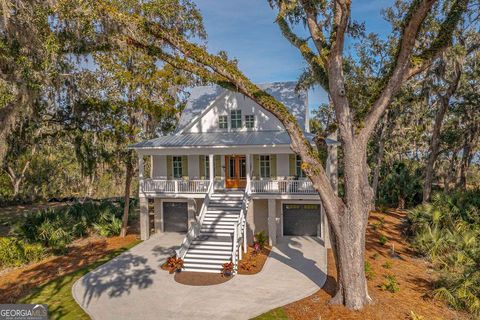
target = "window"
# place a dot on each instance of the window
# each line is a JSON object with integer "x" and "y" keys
{"x": 298, "y": 165}
{"x": 223, "y": 122}
{"x": 177, "y": 167}
{"x": 249, "y": 121}
{"x": 236, "y": 119}
{"x": 265, "y": 166}
{"x": 207, "y": 167}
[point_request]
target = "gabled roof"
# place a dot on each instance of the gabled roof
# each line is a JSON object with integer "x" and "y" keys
{"x": 204, "y": 96}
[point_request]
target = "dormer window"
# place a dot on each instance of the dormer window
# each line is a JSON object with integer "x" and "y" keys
{"x": 236, "y": 119}
{"x": 250, "y": 121}
{"x": 223, "y": 122}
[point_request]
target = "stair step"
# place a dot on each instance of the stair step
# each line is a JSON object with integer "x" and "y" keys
{"x": 218, "y": 223}
{"x": 217, "y": 243}
{"x": 202, "y": 270}
{"x": 217, "y": 234}
{"x": 209, "y": 256}
{"x": 207, "y": 246}
{"x": 222, "y": 213}
{"x": 223, "y": 219}
{"x": 212, "y": 251}
{"x": 206, "y": 260}
{"x": 217, "y": 266}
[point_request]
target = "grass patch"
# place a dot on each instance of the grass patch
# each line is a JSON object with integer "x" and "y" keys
{"x": 275, "y": 314}
{"x": 57, "y": 294}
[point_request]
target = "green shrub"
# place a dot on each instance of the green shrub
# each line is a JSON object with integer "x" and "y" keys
{"x": 447, "y": 232}
{"x": 387, "y": 265}
{"x": 14, "y": 252}
{"x": 390, "y": 284}
{"x": 108, "y": 225}
{"x": 369, "y": 273}
{"x": 401, "y": 184}
{"x": 383, "y": 240}
{"x": 55, "y": 229}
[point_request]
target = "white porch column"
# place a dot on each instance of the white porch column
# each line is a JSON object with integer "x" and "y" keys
{"x": 141, "y": 166}
{"x": 249, "y": 168}
{"x": 211, "y": 168}
{"x": 144, "y": 219}
{"x": 272, "y": 222}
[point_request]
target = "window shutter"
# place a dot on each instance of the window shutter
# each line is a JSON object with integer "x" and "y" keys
{"x": 169, "y": 168}
{"x": 273, "y": 166}
{"x": 184, "y": 166}
{"x": 292, "y": 164}
{"x": 218, "y": 166}
{"x": 256, "y": 166}
{"x": 201, "y": 166}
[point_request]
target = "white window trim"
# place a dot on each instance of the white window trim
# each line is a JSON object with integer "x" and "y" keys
{"x": 260, "y": 165}
{"x": 253, "y": 127}
{"x": 231, "y": 119}
{"x": 173, "y": 167}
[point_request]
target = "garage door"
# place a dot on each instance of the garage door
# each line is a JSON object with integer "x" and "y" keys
{"x": 301, "y": 220}
{"x": 175, "y": 217}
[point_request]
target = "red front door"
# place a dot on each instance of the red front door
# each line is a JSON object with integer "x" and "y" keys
{"x": 235, "y": 171}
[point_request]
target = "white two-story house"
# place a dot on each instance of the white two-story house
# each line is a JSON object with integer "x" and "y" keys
{"x": 227, "y": 173}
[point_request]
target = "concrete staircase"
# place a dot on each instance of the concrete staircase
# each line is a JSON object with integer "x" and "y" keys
{"x": 213, "y": 247}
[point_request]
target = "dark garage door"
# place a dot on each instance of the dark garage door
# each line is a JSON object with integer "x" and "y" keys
{"x": 301, "y": 220}
{"x": 175, "y": 217}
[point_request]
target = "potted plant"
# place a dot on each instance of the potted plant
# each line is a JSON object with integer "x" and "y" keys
{"x": 227, "y": 269}
{"x": 174, "y": 264}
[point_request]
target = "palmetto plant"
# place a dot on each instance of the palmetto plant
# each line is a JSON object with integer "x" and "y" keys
{"x": 448, "y": 233}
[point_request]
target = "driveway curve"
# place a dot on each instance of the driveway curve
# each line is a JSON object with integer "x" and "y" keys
{"x": 132, "y": 285}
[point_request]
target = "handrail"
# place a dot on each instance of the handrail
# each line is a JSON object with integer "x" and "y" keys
{"x": 239, "y": 229}
{"x": 195, "y": 226}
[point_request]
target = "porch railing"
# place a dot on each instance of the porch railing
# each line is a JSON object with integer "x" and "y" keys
{"x": 282, "y": 186}
{"x": 267, "y": 186}
{"x": 174, "y": 186}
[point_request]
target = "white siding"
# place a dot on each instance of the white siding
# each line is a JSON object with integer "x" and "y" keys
{"x": 264, "y": 121}
{"x": 282, "y": 165}
{"x": 193, "y": 167}
{"x": 159, "y": 169}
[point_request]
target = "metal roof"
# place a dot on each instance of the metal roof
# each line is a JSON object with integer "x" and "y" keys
{"x": 202, "y": 96}
{"x": 210, "y": 139}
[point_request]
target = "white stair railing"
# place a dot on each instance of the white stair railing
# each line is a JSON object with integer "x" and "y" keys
{"x": 195, "y": 226}
{"x": 239, "y": 229}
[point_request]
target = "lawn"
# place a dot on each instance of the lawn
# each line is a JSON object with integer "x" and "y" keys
{"x": 275, "y": 314}
{"x": 57, "y": 294}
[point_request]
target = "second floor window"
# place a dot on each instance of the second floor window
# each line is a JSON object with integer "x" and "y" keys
{"x": 236, "y": 119}
{"x": 207, "y": 167}
{"x": 298, "y": 166}
{"x": 223, "y": 122}
{"x": 177, "y": 167}
{"x": 264, "y": 166}
{"x": 249, "y": 121}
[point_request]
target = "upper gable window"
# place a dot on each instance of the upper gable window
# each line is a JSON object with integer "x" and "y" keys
{"x": 223, "y": 122}
{"x": 236, "y": 119}
{"x": 249, "y": 121}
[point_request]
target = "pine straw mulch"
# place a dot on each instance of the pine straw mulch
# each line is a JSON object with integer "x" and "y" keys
{"x": 15, "y": 283}
{"x": 412, "y": 273}
{"x": 252, "y": 262}
{"x": 200, "y": 278}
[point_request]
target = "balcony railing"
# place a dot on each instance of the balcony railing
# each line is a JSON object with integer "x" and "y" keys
{"x": 267, "y": 186}
{"x": 174, "y": 186}
{"x": 282, "y": 186}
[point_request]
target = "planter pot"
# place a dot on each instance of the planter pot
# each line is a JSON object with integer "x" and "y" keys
{"x": 227, "y": 273}
{"x": 178, "y": 270}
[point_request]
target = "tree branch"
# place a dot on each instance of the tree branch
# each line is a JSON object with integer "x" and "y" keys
{"x": 403, "y": 68}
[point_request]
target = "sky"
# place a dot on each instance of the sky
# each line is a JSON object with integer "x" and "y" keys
{"x": 245, "y": 29}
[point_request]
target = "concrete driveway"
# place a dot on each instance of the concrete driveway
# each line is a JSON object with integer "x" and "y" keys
{"x": 132, "y": 286}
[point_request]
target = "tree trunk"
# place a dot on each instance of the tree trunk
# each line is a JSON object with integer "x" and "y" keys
{"x": 381, "y": 151}
{"x": 444, "y": 101}
{"x": 349, "y": 230}
{"x": 467, "y": 156}
{"x": 128, "y": 182}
